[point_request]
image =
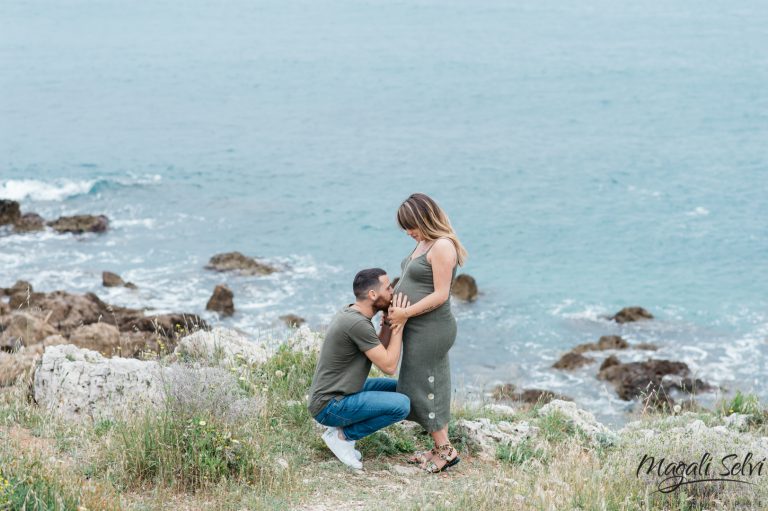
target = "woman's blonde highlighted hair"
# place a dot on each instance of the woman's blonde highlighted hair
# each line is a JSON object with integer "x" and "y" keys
{"x": 420, "y": 212}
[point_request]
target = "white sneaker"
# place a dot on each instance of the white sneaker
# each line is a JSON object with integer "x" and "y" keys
{"x": 342, "y": 449}
{"x": 358, "y": 454}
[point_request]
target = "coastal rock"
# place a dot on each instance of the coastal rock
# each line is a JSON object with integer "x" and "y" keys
{"x": 464, "y": 287}
{"x": 171, "y": 326}
{"x": 606, "y": 342}
{"x": 9, "y": 212}
{"x": 235, "y": 261}
{"x": 737, "y": 421}
{"x": 109, "y": 279}
{"x": 598, "y": 433}
{"x": 305, "y": 340}
{"x": 79, "y": 224}
{"x": 572, "y": 360}
{"x": 691, "y": 446}
{"x": 99, "y": 337}
{"x": 22, "y": 328}
{"x": 504, "y": 410}
{"x": 221, "y": 301}
{"x": 652, "y": 377}
{"x": 66, "y": 311}
{"x": 685, "y": 384}
{"x": 18, "y": 362}
{"x": 645, "y": 346}
{"x": 610, "y": 361}
{"x": 14, "y": 365}
{"x": 74, "y": 382}
{"x": 21, "y": 286}
{"x": 292, "y": 320}
{"x": 29, "y": 222}
{"x": 508, "y": 391}
{"x": 485, "y": 436}
{"x": 222, "y": 345}
{"x": 630, "y": 314}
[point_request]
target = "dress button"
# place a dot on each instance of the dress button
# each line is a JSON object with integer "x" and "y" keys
{"x": 430, "y": 396}
{"x": 431, "y": 415}
{"x": 431, "y": 379}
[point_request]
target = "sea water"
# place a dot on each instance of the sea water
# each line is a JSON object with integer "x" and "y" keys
{"x": 591, "y": 156}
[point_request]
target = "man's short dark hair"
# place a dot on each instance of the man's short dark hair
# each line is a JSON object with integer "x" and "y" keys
{"x": 365, "y": 280}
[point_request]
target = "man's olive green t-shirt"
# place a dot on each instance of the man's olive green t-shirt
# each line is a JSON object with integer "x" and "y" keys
{"x": 342, "y": 367}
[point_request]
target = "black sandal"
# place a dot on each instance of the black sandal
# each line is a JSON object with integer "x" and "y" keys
{"x": 444, "y": 451}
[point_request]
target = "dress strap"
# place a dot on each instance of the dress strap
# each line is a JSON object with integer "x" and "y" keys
{"x": 433, "y": 244}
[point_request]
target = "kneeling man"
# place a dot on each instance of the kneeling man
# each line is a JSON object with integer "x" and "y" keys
{"x": 342, "y": 396}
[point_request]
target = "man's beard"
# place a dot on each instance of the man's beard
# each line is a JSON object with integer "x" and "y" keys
{"x": 380, "y": 304}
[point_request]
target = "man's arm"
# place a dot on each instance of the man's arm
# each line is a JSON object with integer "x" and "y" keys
{"x": 386, "y": 356}
{"x": 386, "y": 331}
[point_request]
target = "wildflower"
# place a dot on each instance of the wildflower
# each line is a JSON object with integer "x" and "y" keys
{"x": 279, "y": 373}
{"x": 235, "y": 441}
{"x": 677, "y": 408}
{"x": 202, "y": 423}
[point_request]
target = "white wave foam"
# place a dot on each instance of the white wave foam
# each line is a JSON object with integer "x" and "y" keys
{"x": 149, "y": 223}
{"x": 58, "y": 190}
{"x": 62, "y": 189}
{"x": 699, "y": 211}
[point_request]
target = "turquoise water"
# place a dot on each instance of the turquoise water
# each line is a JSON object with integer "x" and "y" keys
{"x": 590, "y": 156}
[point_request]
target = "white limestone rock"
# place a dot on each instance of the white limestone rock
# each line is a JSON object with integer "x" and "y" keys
{"x": 223, "y": 345}
{"x": 597, "y": 432}
{"x": 74, "y": 383}
{"x": 486, "y": 436}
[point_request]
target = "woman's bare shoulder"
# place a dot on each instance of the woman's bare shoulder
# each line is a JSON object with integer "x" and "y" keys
{"x": 444, "y": 249}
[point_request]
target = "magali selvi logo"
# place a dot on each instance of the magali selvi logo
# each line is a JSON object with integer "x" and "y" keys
{"x": 673, "y": 474}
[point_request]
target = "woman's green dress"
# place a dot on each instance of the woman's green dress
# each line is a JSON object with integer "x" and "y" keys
{"x": 425, "y": 372}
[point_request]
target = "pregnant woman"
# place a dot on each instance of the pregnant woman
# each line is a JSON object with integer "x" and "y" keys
{"x": 427, "y": 274}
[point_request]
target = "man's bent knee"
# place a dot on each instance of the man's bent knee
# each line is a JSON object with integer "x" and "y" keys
{"x": 403, "y": 407}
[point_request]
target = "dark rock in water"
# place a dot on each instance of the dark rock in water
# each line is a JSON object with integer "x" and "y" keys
{"x": 572, "y": 360}
{"x": 659, "y": 377}
{"x": 610, "y": 361}
{"x": 79, "y": 224}
{"x": 236, "y": 261}
{"x": 645, "y": 346}
{"x": 611, "y": 342}
{"x": 507, "y": 391}
{"x": 109, "y": 279}
{"x": 29, "y": 222}
{"x": 464, "y": 287}
{"x": 630, "y": 314}
{"x": 167, "y": 325}
{"x": 606, "y": 342}
{"x": 221, "y": 301}
{"x": 685, "y": 384}
{"x": 9, "y": 212}
{"x": 293, "y": 320}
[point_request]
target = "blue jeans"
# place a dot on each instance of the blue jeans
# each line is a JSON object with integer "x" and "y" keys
{"x": 360, "y": 414}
